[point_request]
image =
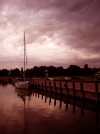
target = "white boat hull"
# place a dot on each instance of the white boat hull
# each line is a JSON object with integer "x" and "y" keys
{"x": 22, "y": 85}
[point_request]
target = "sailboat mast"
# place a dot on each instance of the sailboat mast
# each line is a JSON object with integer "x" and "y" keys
{"x": 24, "y": 56}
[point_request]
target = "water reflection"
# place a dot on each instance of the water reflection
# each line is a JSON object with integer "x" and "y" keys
{"x": 83, "y": 104}
{"x": 3, "y": 83}
{"x": 38, "y": 112}
{"x": 25, "y": 95}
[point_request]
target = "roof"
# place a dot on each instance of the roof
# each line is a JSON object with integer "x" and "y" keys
{"x": 98, "y": 73}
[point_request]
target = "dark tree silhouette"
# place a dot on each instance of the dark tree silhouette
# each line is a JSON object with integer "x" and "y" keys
{"x": 72, "y": 70}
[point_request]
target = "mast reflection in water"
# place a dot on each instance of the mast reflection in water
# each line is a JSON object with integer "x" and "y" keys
{"x": 38, "y": 112}
{"x": 25, "y": 96}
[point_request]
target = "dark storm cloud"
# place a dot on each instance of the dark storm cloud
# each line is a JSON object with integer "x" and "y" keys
{"x": 80, "y": 20}
{"x": 78, "y": 16}
{"x": 67, "y": 23}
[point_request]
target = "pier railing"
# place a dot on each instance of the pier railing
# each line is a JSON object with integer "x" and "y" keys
{"x": 82, "y": 89}
{"x": 75, "y": 88}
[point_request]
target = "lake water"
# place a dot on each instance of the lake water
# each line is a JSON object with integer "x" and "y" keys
{"x": 32, "y": 112}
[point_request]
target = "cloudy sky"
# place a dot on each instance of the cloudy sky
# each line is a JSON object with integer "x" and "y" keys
{"x": 58, "y": 32}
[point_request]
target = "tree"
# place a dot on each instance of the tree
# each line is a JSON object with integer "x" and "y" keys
{"x": 86, "y": 66}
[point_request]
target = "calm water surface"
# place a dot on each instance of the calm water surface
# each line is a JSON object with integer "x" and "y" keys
{"x": 26, "y": 112}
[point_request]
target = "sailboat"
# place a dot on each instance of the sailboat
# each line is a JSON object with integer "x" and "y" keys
{"x": 22, "y": 83}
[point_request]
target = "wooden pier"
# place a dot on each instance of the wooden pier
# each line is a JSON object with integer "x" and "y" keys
{"x": 82, "y": 89}
{"x": 75, "y": 88}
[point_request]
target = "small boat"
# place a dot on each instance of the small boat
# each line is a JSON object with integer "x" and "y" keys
{"x": 22, "y": 83}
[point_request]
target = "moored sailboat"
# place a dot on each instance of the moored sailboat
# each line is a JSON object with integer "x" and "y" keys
{"x": 22, "y": 83}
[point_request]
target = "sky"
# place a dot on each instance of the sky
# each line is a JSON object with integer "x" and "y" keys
{"x": 57, "y": 32}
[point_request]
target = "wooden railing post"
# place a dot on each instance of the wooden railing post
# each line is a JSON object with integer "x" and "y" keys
{"x": 60, "y": 88}
{"x": 66, "y": 85}
{"x": 74, "y": 88}
{"x": 42, "y": 85}
{"x": 54, "y": 86}
{"x": 46, "y": 86}
{"x": 50, "y": 85}
{"x": 96, "y": 90}
{"x": 82, "y": 93}
{"x": 38, "y": 84}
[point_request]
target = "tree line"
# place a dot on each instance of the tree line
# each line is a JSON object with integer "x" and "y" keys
{"x": 72, "y": 70}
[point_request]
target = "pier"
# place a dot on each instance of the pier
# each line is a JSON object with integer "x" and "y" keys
{"x": 75, "y": 88}
{"x": 81, "y": 89}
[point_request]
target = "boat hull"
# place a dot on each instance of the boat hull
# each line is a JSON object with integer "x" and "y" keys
{"x": 22, "y": 85}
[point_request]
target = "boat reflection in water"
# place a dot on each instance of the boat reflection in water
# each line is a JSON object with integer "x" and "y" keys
{"x": 4, "y": 84}
{"x": 23, "y": 93}
{"x": 25, "y": 96}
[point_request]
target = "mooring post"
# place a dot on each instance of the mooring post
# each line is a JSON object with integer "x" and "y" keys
{"x": 96, "y": 90}
{"x": 50, "y": 85}
{"x": 38, "y": 84}
{"x": 74, "y": 88}
{"x": 60, "y": 88}
{"x": 66, "y": 85}
{"x": 42, "y": 85}
{"x": 54, "y": 86}
{"x": 82, "y": 93}
{"x": 35, "y": 84}
{"x": 46, "y": 86}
